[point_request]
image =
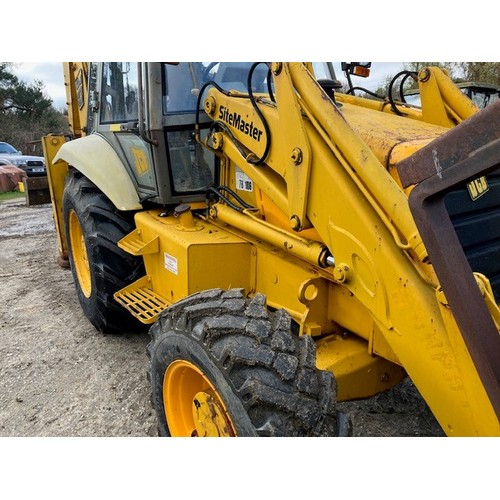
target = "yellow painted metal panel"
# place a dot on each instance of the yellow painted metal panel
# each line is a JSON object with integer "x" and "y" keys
{"x": 56, "y": 173}
{"x": 358, "y": 374}
{"x": 190, "y": 261}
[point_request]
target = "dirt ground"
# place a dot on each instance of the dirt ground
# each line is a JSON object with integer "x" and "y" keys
{"x": 60, "y": 377}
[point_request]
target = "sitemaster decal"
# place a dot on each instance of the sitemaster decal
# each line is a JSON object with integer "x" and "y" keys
{"x": 235, "y": 120}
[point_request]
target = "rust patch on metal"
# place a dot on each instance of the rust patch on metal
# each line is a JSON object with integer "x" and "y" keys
{"x": 452, "y": 147}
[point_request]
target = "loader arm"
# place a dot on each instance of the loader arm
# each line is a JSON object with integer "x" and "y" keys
{"x": 442, "y": 102}
{"x": 319, "y": 181}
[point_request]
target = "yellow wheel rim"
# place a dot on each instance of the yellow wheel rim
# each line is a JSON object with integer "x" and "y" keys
{"x": 79, "y": 251}
{"x": 192, "y": 405}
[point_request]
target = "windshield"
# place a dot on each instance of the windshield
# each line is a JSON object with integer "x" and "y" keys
{"x": 181, "y": 84}
{"x": 183, "y": 81}
{"x": 7, "y": 149}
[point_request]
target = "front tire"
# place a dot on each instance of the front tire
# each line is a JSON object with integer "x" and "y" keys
{"x": 222, "y": 365}
{"x": 100, "y": 268}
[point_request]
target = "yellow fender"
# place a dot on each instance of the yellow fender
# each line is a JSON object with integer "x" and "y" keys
{"x": 93, "y": 156}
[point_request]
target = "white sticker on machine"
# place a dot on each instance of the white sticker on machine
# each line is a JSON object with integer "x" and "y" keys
{"x": 171, "y": 263}
{"x": 243, "y": 182}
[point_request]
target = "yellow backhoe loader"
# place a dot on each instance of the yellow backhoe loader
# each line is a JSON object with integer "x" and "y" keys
{"x": 289, "y": 246}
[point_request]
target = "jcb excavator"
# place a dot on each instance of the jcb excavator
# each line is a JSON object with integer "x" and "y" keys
{"x": 289, "y": 245}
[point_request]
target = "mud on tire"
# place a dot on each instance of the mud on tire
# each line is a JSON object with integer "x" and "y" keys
{"x": 266, "y": 374}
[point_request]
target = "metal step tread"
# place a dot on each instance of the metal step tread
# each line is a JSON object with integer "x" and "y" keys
{"x": 134, "y": 244}
{"x": 141, "y": 301}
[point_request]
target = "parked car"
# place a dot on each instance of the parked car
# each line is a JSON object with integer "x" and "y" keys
{"x": 32, "y": 165}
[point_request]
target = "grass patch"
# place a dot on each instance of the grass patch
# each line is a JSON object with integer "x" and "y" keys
{"x": 11, "y": 195}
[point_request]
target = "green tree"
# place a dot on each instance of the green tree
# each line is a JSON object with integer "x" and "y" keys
{"x": 484, "y": 72}
{"x": 26, "y": 112}
{"x": 18, "y": 97}
{"x": 452, "y": 68}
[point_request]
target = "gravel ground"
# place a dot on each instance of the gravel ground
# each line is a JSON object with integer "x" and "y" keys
{"x": 60, "y": 377}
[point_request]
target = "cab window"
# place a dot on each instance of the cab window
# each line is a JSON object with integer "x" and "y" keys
{"x": 119, "y": 92}
{"x": 181, "y": 83}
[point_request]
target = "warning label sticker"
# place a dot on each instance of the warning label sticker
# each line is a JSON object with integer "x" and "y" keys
{"x": 171, "y": 263}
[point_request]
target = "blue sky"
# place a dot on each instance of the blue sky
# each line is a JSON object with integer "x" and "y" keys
{"x": 51, "y": 74}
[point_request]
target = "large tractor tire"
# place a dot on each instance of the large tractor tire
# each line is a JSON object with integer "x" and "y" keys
{"x": 222, "y": 365}
{"x": 100, "y": 268}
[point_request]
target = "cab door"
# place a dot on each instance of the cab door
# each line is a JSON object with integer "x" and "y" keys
{"x": 117, "y": 119}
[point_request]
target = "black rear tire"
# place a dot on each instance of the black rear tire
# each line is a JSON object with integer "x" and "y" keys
{"x": 265, "y": 374}
{"x": 110, "y": 268}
